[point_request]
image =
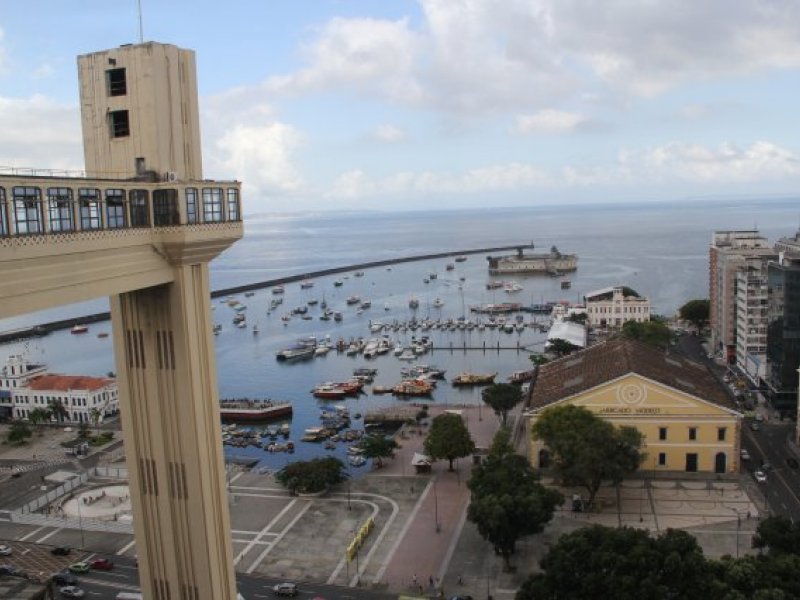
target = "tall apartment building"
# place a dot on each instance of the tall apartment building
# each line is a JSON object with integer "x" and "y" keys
{"x": 728, "y": 253}
{"x": 783, "y": 333}
{"x": 752, "y": 319}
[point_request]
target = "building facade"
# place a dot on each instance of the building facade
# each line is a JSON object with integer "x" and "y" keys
{"x": 612, "y": 307}
{"x": 140, "y": 228}
{"x": 728, "y": 252}
{"x": 688, "y": 422}
{"x": 752, "y": 319}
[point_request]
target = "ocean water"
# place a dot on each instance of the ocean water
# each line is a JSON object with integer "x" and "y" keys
{"x": 661, "y": 250}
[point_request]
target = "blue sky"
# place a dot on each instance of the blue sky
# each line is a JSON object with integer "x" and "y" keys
{"x": 369, "y": 105}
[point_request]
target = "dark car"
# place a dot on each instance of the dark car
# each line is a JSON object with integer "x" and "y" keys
{"x": 61, "y": 550}
{"x": 64, "y": 578}
{"x": 12, "y": 571}
{"x": 792, "y": 462}
{"x": 285, "y": 589}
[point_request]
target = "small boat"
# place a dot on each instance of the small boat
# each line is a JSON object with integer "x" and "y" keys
{"x": 278, "y": 289}
{"x": 297, "y": 351}
{"x": 337, "y": 316}
{"x": 353, "y": 300}
{"x": 241, "y": 324}
{"x": 306, "y": 285}
{"x": 413, "y": 302}
{"x": 357, "y": 460}
{"x": 413, "y": 387}
{"x": 253, "y": 410}
{"x": 521, "y": 376}
{"x": 255, "y": 329}
{"x": 386, "y": 306}
{"x": 438, "y": 303}
{"x": 102, "y": 334}
{"x": 464, "y": 379}
{"x": 328, "y": 391}
{"x": 493, "y": 285}
{"x": 249, "y": 294}
{"x": 359, "y": 273}
{"x": 365, "y": 304}
{"x": 461, "y": 258}
{"x": 566, "y": 284}
{"x": 78, "y": 329}
{"x": 407, "y": 354}
{"x": 312, "y": 302}
{"x": 338, "y": 283}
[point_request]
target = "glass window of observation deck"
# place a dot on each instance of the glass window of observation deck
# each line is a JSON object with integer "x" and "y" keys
{"x": 60, "y": 209}
{"x": 115, "y": 209}
{"x": 191, "y": 206}
{"x": 212, "y": 205}
{"x": 233, "y": 204}
{"x": 165, "y": 208}
{"x": 3, "y": 213}
{"x": 89, "y": 202}
{"x": 140, "y": 208}
{"x": 27, "y": 209}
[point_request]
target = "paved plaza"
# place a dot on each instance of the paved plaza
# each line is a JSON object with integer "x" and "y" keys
{"x": 421, "y": 541}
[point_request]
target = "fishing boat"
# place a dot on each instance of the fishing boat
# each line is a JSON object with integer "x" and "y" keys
{"x": 465, "y": 379}
{"x": 329, "y": 391}
{"x": 413, "y": 387}
{"x": 353, "y": 300}
{"x": 78, "y": 329}
{"x": 297, "y": 351}
{"x": 252, "y": 410}
{"x": 278, "y": 289}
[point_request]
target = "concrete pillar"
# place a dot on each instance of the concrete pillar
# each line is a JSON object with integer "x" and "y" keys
{"x": 173, "y": 442}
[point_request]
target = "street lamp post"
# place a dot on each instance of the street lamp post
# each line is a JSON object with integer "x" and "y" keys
{"x": 436, "y": 506}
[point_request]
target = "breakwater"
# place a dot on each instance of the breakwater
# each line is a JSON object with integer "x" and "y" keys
{"x": 45, "y": 328}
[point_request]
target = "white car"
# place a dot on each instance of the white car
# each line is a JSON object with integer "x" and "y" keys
{"x": 745, "y": 454}
{"x": 5, "y": 550}
{"x": 760, "y": 476}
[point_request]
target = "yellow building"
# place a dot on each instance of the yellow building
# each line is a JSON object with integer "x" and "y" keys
{"x": 688, "y": 421}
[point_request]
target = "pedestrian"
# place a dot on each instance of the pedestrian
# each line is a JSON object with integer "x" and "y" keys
{"x": 460, "y": 580}
{"x": 414, "y": 580}
{"x": 430, "y": 580}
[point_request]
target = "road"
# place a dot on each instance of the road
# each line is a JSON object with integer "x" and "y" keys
{"x": 769, "y": 445}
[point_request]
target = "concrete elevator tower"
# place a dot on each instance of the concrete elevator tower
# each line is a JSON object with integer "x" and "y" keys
{"x": 141, "y": 228}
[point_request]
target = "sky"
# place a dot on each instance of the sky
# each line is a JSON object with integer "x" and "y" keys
{"x": 406, "y": 105}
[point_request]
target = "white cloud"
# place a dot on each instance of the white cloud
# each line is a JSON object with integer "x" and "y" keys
{"x": 388, "y": 133}
{"x": 549, "y": 121}
{"x": 43, "y": 71}
{"x": 37, "y": 132}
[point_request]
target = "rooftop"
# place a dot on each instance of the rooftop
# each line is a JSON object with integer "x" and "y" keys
{"x": 66, "y": 383}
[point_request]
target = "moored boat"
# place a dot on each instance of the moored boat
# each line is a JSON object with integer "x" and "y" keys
{"x": 253, "y": 410}
{"x": 78, "y": 329}
{"x": 474, "y": 379}
{"x": 296, "y": 352}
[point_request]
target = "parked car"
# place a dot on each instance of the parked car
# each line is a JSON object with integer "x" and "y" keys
{"x": 285, "y": 589}
{"x": 745, "y": 454}
{"x": 71, "y": 591}
{"x": 101, "y": 564}
{"x": 792, "y": 462}
{"x": 5, "y": 550}
{"x": 64, "y": 578}
{"x": 761, "y": 476}
{"x": 79, "y": 567}
{"x": 12, "y": 571}
{"x": 61, "y": 550}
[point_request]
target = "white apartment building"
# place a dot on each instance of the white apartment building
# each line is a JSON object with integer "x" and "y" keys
{"x": 612, "y": 307}
{"x": 25, "y": 386}
{"x": 752, "y": 319}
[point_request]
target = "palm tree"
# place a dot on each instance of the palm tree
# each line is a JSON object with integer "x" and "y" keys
{"x": 95, "y": 416}
{"x": 58, "y": 410}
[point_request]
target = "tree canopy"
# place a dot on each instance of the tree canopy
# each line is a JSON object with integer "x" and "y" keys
{"x": 604, "y": 562}
{"x": 561, "y": 347}
{"x": 696, "y": 312}
{"x": 588, "y": 450}
{"x": 18, "y": 433}
{"x": 378, "y": 447}
{"x": 502, "y": 397}
{"x": 622, "y": 563}
{"x": 654, "y": 333}
{"x": 312, "y": 475}
{"x": 507, "y": 502}
{"x": 448, "y": 438}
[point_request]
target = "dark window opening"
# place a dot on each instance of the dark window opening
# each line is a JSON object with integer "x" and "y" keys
{"x": 3, "y": 213}
{"x": 120, "y": 127}
{"x": 691, "y": 463}
{"x": 191, "y": 206}
{"x": 89, "y": 203}
{"x": 662, "y": 433}
{"x": 692, "y": 433}
{"x": 59, "y": 201}
{"x": 27, "y": 210}
{"x": 140, "y": 165}
{"x": 721, "y": 433}
{"x": 117, "y": 84}
{"x": 662, "y": 459}
{"x": 115, "y": 209}
{"x": 165, "y": 208}
{"x": 140, "y": 211}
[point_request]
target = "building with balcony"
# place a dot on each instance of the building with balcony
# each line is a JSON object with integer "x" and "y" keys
{"x": 612, "y": 307}
{"x": 728, "y": 252}
{"x": 752, "y": 319}
{"x": 140, "y": 226}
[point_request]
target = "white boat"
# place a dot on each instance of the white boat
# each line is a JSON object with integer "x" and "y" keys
{"x": 306, "y": 285}
{"x": 356, "y": 460}
{"x": 438, "y": 303}
{"x": 407, "y": 354}
{"x": 386, "y": 306}
{"x": 322, "y": 350}
{"x": 278, "y": 289}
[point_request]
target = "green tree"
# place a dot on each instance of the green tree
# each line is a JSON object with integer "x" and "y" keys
{"x": 539, "y": 359}
{"x": 588, "y": 450}
{"x": 624, "y": 564}
{"x": 778, "y": 535}
{"x": 448, "y": 438}
{"x": 95, "y": 416}
{"x": 312, "y": 475}
{"x": 378, "y": 447}
{"x": 561, "y": 347}
{"x": 37, "y": 416}
{"x": 654, "y": 333}
{"x": 507, "y": 502}
{"x": 57, "y": 410}
{"x": 83, "y": 430}
{"x": 18, "y": 433}
{"x": 580, "y": 318}
{"x": 696, "y": 312}
{"x": 502, "y": 398}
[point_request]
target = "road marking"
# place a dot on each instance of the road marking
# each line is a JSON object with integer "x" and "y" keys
{"x": 49, "y": 535}
{"x": 26, "y": 551}
{"x": 126, "y": 547}
{"x": 266, "y": 528}
{"x": 278, "y": 539}
{"x": 31, "y": 534}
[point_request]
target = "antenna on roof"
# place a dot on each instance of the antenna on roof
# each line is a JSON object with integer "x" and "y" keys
{"x": 141, "y": 29}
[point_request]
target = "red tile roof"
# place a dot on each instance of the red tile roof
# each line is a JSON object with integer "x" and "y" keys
{"x": 605, "y": 362}
{"x": 65, "y": 383}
